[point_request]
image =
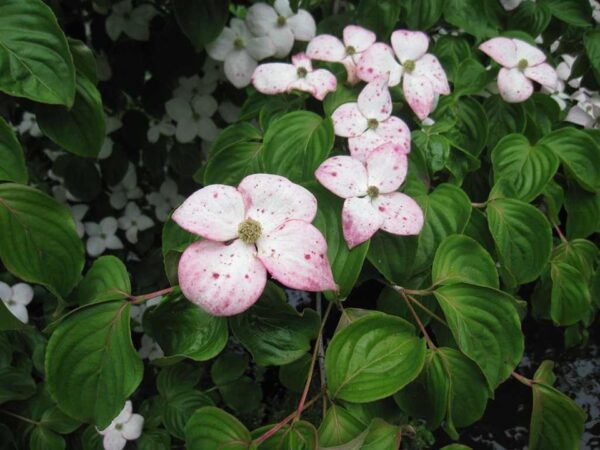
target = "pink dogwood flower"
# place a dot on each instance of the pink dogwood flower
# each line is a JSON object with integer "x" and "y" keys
{"x": 423, "y": 77}
{"x": 368, "y": 122}
{"x": 281, "y": 25}
{"x": 262, "y": 226}
{"x": 521, "y": 63}
{"x": 276, "y": 78}
{"x": 326, "y": 47}
{"x": 369, "y": 189}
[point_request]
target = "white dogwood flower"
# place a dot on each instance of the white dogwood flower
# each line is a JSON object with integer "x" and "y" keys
{"x": 134, "y": 221}
{"x": 112, "y": 125}
{"x": 158, "y": 128}
{"x": 16, "y": 299}
{"x": 193, "y": 120}
{"x": 78, "y": 212}
{"x": 125, "y": 427}
{"x": 165, "y": 200}
{"x": 126, "y": 189}
{"x": 134, "y": 22}
{"x": 150, "y": 349}
{"x": 102, "y": 236}
{"x": 29, "y": 125}
{"x": 240, "y": 51}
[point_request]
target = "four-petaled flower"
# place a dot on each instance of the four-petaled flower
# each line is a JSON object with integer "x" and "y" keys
{"x": 281, "y": 25}
{"x": 521, "y": 63}
{"x": 16, "y": 299}
{"x": 239, "y": 50}
{"x": 134, "y": 221}
{"x": 134, "y": 22}
{"x": 125, "y": 427}
{"x": 423, "y": 77}
{"x": 275, "y": 78}
{"x": 368, "y": 123}
{"x": 102, "y": 236}
{"x": 262, "y": 226}
{"x": 369, "y": 189}
{"x": 326, "y": 47}
{"x": 193, "y": 120}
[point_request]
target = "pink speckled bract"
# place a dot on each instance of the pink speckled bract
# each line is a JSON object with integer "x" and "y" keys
{"x": 225, "y": 275}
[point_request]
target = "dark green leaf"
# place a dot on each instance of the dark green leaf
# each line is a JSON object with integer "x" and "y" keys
{"x": 213, "y": 429}
{"x": 338, "y": 427}
{"x": 107, "y": 279}
{"x": 12, "y": 161}
{"x": 201, "y": 20}
{"x": 570, "y": 300}
{"x": 15, "y": 384}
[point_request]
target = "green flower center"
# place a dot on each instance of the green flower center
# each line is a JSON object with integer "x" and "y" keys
{"x": 239, "y": 43}
{"x": 373, "y": 191}
{"x": 119, "y": 426}
{"x": 409, "y": 65}
{"x": 11, "y": 302}
{"x": 523, "y": 64}
{"x": 372, "y": 123}
{"x": 302, "y": 72}
{"x": 249, "y": 231}
{"x": 350, "y": 50}
{"x": 281, "y": 21}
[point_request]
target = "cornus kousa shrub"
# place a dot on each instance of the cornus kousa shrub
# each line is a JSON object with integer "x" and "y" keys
{"x": 299, "y": 224}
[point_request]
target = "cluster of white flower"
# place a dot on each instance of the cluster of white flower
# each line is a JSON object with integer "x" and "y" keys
{"x": 134, "y": 22}
{"x": 266, "y": 31}
{"x": 16, "y": 299}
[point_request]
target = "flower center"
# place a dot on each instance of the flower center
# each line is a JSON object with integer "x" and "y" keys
{"x": 523, "y": 64}
{"x": 249, "y": 231}
{"x": 119, "y": 426}
{"x": 11, "y": 302}
{"x": 281, "y": 21}
{"x": 373, "y": 191}
{"x": 239, "y": 43}
{"x": 372, "y": 123}
{"x": 350, "y": 50}
{"x": 409, "y": 65}
{"x": 302, "y": 72}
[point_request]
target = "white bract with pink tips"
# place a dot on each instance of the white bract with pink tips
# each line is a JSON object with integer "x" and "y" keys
{"x": 262, "y": 226}
{"x": 423, "y": 77}
{"x": 276, "y": 78}
{"x": 281, "y": 25}
{"x": 326, "y": 47}
{"x": 521, "y": 63}
{"x": 369, "y": 188}
{"x": 368, "y": 122}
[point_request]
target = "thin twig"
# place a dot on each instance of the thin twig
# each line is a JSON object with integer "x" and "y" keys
{"x": 321, "y": 355}
{"x": 430, "y": 343}
{"x": 427, "y": 310}
{"x": 142, "y": 298}
{"x": 526, "y": 381}
{"x": 16, "y": 416}
{"x": 263, "y": 437}
{"x": 478, "y": 205}
{"x": 312, "y": 362}
{"x": 560, "y": 234}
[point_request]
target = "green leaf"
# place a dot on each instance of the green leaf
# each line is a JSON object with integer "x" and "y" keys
{"x": 35, "y": 61}
{"x": 460, "y": 259}
{"x": 583, "y": 212}
{"x": 174, "y": 242}
{"x": 213, "y": 429}
{"x": 58, "y": 421}
{"x": 183, "y": 329}
{"x": 180, "y": 376}
{"x": 523, "y": 239}
{"x": 381, "y": 16}
{"x": 476, "y": 17}
{"x": 228, "y": 367}
{"x": 154, "y": 440}
{"x": 475, "y": 78}
{"x": 201, "y": 20}
{"x": 15, "y": 384}
{"x": 573, "y": 12}
{"x": 361, "y": 356}
{"x": 179, "y": 407}
{"x": 38, "y": 241}
{"x": 557, "y": 423}
{"x": 451, "y": 387}
{"x": 12, "y": 160}
{"x": 579, "y": 253}
{"x": 8, "y": 321}
{"x": 579, "y": 154}
{"x": 342, "y": 94}
{"x": 296, "y": 144}
{"x": 531, "y": 17}
{"x": 570, "y": 301}
{"x": 293, "y": 375}
{"x": 273, "y": 331}
{"x": 423, "y": 15}
{"x": 300, "y": 435}
{"x": 447, "y": 210}
{"x": 591, "y": 42}
{"x": 393, "y": 255}
{"x": 80, "y": 129}
{"x": 486, "y": 327}
{"x": 527, "y": 168}
{"x": 84, "y": 59}
{"x": 338, "y": 427}
{"x": 346, "y": 264}
{"x": 91, "y": 348}
{"x": 107, "y": 279}
{"x": 451, "y": 51}
{"x": 506, "y": 118}
{"x": 380, "y": 435}
{"x": 233, "y": 155}
{"x": 243, "y": 395}
{"x": 554, "y": 199}
{"x": 44, "y": 439}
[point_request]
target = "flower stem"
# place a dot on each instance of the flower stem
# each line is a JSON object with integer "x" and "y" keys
{"x": 312, "y": 362}
{"x": 142, "y": 298}
{"x": 16, "y": 416}
{"x": 427, "y": 310}
{"x": 430, "y": 343}
{"x": 526, "y": 381}
{"x": 560, "y": 234}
